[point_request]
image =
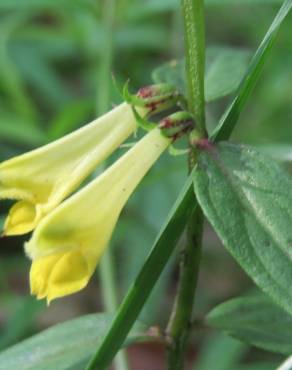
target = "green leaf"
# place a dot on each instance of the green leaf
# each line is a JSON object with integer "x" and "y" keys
{"x": 64, "y": 346}
{"x": 256, "y": 320}
{"x": 225, "y": 68}
{"x": 230, "y": 118}
{"x": 173, "y": 73}
{"x": 224, "y": 71}
{"x": 247, "y": 198}
{"x": 147, "y": 278}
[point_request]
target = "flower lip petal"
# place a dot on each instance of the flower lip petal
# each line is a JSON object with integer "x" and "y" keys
{"x": 60, "y": 274}
{"x": 21, "y": 219}
{"x": 69, "y": 275}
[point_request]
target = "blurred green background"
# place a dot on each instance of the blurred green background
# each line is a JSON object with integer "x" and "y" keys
{"x": 51, "y": 82}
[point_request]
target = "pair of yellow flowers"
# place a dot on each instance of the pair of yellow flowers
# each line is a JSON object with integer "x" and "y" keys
{"x": 71, "y": 233}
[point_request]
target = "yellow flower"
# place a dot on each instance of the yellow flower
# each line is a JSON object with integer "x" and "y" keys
{"x": 41, "y": 179}
{"x": 68, "y": 243}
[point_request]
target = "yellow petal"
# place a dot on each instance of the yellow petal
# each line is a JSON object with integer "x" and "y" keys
{"x": 20, "y": 219}
{"x": 44, "y": 177}
{"x": 40, "y": 273}
{"x": 86, "y": 220}
{"x": 60, "y": 274}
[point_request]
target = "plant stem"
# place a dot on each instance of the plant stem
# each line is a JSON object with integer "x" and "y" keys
{"x": 194, "y": 30}
{"x": 179, "y": 326}
{"x": 180, "y": 322}
{"x": 106, "y": 270}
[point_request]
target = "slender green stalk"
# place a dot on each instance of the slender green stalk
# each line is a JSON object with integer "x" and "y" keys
{"x": 178, "y": 328}
{"x": 194, "y": 30}
{"x": 180, "y": 322}
{"x": 106, "y": 270}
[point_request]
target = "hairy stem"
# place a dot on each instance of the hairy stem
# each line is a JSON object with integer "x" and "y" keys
{"x": 194, "y": 31}
{"x": 179, "y": 325}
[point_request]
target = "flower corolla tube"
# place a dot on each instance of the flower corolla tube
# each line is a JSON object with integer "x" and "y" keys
{"x": 68, "y": 243}
{"x": 41, "y": 179}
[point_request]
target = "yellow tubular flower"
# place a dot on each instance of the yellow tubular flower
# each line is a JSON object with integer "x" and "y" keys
{"x": 68, "y": 243}
{"x": 41, "y": 179}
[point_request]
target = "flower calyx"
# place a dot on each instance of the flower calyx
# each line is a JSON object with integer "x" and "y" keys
{"x": 155, "y": 98}
{"x": 177, "y": 125}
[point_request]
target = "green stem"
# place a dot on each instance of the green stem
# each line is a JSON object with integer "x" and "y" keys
{"x": 194, "y": 29}
{"x": 107, "y": 276}
{"x": 180, "y": 322}
{"x": 179, "y": 326}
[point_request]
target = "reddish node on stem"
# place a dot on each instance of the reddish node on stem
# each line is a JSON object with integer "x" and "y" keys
{"x": 204, "y": 144}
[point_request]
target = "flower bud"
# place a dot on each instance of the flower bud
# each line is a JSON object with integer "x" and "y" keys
{"x": 177, "y": 124}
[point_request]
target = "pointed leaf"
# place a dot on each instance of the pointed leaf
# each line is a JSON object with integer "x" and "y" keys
{"x": 247, "y": 198}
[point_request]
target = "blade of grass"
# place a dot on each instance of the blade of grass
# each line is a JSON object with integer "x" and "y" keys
{"x": 230, "y": 117}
